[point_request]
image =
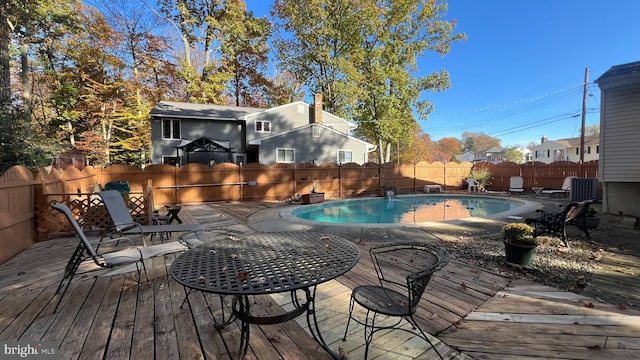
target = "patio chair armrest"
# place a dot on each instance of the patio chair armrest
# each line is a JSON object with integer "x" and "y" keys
{"x": 121, "y": 238}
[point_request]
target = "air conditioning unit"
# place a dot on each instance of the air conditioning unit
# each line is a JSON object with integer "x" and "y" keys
{"x": 583, "y": 189}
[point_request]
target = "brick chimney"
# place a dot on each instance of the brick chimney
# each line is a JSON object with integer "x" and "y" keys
{"x": 543, "y": 140}
{"x": 317, "y": 108}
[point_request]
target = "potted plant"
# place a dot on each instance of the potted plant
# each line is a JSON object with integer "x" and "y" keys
{"x": 314, "y": 196}
{"x": 519, "y": 243}
{"x": 591, "y": 218}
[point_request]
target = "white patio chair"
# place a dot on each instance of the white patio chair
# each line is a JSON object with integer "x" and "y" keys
{"x": 473, "y": 185}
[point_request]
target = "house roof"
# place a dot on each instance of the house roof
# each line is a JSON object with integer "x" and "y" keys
{"x": 575, "y": 141}
{"x": 204, "y": 143}
{"x": 200, "y": 111}
{"x": 369, "y": 146}
{"x": 620, "y": 75}
{"x": 352, "y": 126}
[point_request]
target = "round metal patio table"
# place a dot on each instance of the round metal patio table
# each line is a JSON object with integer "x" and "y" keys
{"x": 267, "y": 263}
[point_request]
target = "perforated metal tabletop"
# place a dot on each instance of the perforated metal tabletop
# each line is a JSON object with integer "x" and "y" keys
{"x": 263, "y": 263}
{"x": 267, "y": 263}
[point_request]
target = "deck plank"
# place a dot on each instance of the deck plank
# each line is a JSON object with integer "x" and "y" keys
{"x": 473, "y": 313}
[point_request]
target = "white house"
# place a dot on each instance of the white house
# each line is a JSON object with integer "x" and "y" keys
{"x": 566, "y": 150}
{"x": 619, "y": 168}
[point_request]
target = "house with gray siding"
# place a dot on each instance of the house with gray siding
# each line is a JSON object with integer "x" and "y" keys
{"x": 298, "y": 131}
{"x": 619, "y": 166}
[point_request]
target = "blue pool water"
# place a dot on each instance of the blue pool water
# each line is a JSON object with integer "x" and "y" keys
{"x": 406, "y": 209}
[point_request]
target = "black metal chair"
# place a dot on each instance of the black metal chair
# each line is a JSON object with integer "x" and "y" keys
{"x": 86, "y": 254}
{"x": 404, "y": 270}
{"x": 555, "y": 223}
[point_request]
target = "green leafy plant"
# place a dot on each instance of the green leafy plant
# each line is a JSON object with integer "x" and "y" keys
{"x": 482, "y": 175}
{"x": 592, "y": 210}
{"x": 395, "y": 189}
{"x": 518, "y": 233}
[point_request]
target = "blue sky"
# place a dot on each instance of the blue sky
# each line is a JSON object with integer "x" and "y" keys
{"x": 519, "y": 75}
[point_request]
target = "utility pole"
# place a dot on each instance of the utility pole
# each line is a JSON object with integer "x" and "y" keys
{"x": 584, "y": 113}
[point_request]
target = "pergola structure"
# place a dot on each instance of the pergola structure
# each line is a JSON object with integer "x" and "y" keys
{"x": 205, "y": 144}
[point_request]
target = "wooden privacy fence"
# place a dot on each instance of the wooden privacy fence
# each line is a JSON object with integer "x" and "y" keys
{"x": 537, "y": 174}
{"x": 25, "y": 196}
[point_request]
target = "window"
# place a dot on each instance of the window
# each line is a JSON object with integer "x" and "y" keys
{"x": 577, "y": 151}
{"x": 170, "y": 160}
{"x": 345, "y": 156}
{"x": 597, "y": 149}
{"x": 536, "y": 154}
{"x": 239, "y": 159}
{"x": 285, "y": 155}
{"x": 263, "y": 126}
{"x": 548, "y": 153}
{"x": 171, "y": 129}
{"x": 588, "y": 149}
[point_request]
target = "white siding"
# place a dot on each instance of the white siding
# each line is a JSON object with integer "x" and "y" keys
{"x": 620, "y": 130}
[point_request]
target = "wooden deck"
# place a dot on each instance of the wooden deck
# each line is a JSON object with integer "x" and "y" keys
{"x": 471, "y": 312}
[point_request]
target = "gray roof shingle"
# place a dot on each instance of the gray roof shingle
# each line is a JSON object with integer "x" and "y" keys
{"x": 200, "y": 111}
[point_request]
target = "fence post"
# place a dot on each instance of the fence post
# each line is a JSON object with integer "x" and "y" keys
{"x": 340, "y": 180}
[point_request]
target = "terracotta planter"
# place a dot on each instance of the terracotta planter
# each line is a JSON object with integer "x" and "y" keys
{"x": 518, "y": 253}
{"x": 312, "y": 198}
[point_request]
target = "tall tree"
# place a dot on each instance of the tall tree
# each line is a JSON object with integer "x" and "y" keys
{"x": 362, "y": 55}
{"x": 284, "y": 89}
{"x": 316, "y": 43}
{"x": 208, "y": 30}
{"x": 478, "y": 141}
{"x": 448, "y": 147}
{"x": 29, "y": 27}
{"x": 244, "y": 46}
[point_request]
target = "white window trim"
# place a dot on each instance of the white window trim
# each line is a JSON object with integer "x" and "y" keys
{"x": 345, "y": 151}
{"x": 255, "y": 127}
{"x": 173, "y": 123}
{"x": 283, "y": 161}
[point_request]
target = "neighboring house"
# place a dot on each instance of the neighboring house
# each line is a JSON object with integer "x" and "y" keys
{"x": 184, "y": 133}
{"x": 526, "y": 154}
{"x": 619, "y": 168}
{"x": 469, "y": 156}
{"x": 494, "y": 155}
{"x": 566, "y": 150}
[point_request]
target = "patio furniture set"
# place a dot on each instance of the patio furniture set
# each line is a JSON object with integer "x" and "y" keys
{"x": 262, "y": 264}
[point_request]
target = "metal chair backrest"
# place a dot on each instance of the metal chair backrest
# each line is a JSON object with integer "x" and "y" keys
{"x": 577, "y": 210}
{"x": 117, "y": 209}
{"x": 408, "y": 266}
{"x": 84, "y": 245}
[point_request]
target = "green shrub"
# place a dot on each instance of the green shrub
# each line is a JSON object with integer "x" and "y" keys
{"x": 482, "y": 175}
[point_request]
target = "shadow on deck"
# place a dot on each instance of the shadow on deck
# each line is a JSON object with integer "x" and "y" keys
{"x": 473, "y": 313}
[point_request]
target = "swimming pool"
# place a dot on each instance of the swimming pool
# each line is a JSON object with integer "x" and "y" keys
{"x": 409, "y": 209}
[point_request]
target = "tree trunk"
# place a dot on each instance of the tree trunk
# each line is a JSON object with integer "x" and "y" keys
{"x": 26, "y": 84}
{"x": 5, "y": 69}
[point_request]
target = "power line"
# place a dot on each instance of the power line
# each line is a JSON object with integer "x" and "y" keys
{"x": 493, "y": 107}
